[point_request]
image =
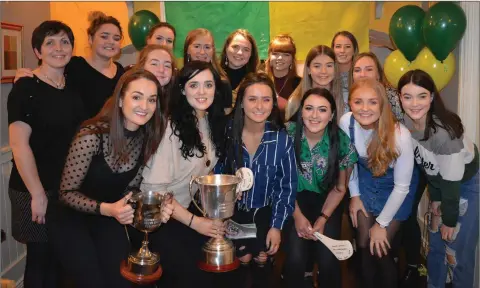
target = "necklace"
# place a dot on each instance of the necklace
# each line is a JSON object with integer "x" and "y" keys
{"x": 59, "y": 85}
{"x": 207, "y": 148}
{"x": 285, "y": 83}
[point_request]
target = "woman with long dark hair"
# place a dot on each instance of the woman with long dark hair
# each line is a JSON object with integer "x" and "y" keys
{"x": 163, "y": 34}
{"x": 103, "y": 166}
{"x": 191, "y": 146}
{"x": 325, "y": 158}
{"x": 200, "y": 46}
{"x": 257, "y": 139}
{"x": 450, "y": 162}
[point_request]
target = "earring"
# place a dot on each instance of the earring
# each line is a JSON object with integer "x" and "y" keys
{"x": 290, "y": 67}
{"x": 433, "y": 95}
{"x": 226, "y": 61}
{"x": 188, "y": 58}
{"x": 183, "y": 91}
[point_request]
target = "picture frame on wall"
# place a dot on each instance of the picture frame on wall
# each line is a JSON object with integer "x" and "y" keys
{"x": 12, "y": 50}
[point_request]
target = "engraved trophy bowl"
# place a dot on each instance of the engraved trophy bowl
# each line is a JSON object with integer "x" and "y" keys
{"x": 143, "y": 267}
{"x": 218, "y": 194}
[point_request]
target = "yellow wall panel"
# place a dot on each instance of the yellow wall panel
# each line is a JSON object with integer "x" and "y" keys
{"x": 314, "y": 23}
{"x": 75, "y": 15}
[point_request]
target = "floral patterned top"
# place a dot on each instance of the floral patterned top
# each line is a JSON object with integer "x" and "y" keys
{"x": 394, "y": 99}
{"x": 315, "y": 161}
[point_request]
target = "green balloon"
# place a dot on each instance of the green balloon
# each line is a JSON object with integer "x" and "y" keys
{"x": 443, "y": 27}
{"x": 139, "y": 25}
{"x": 406, "y": 30}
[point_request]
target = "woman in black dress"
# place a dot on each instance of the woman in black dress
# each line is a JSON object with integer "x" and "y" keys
{"x": 96, "y": 75}
{"x": 104, "y": 164}
{"x": 43, "y": 115}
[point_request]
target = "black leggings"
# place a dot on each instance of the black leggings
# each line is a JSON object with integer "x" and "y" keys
{"x": 374, "y": 269}
{"x": 298, "y": 249}
{"x": 40, "y": 269}
{"x": 411, "y": 238}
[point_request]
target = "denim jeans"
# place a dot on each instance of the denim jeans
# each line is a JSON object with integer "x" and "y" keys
{"x": 455, "y": 261}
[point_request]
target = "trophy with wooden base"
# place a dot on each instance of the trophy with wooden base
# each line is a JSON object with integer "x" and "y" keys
{"x": 218, "y": 194}
{"x": 143, "y": 266}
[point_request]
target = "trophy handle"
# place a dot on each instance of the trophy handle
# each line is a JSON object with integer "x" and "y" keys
{"x": 132, "y": 203}
{"x": 193, "y": 198}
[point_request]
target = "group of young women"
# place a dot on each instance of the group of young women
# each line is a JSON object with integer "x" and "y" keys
{"x": 86, "y": 134}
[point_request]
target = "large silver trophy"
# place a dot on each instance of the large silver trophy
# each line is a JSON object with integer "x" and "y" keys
{"x": 218, "y": 194}
{"x": 143, "y": 266}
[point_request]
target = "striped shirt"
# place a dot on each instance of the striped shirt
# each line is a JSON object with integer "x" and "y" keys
{"x": 275, "y": 175}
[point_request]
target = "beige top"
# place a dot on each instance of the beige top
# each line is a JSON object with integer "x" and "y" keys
{"x": 167, "y": 170}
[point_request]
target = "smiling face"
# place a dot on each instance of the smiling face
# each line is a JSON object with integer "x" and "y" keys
{"x": 366, "y": 106}
{"x": 365, "y": 67}
{"x": 139, "y": 103}
{"x": 416, "y": 102}
{"x": 200, "y": 91}
{"x": 280, "y": 61}
{"x": 238, "y": 52}
{"x": 106, "y": 41}
{"x": 201, "y": 48}
{"x": 343, "y": 49}
{"x": 316, "y": 114}
{"x": 257, "y": 103}
{"x": 162, "y": 36}
{"x": 160, "y": 64}
{"x": 56, "y": 50}
{"x": 322, "y": 71}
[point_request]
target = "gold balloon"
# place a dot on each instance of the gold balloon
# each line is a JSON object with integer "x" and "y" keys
{"x": 395, "y": 66}
{"x": 441, "y": 73}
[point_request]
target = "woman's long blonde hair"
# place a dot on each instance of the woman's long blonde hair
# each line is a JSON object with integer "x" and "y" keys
{"x": 382, "y": 149}
{"x": 306, "y": 83}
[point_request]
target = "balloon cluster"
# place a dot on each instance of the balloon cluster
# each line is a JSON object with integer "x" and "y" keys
{"x": 425, "y": 41}
{"x": 139, "y": 25}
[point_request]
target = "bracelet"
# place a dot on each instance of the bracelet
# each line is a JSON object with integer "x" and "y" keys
{"x": 97, "y": 208}
{"x": 324, "y": 216}
{"x": 191, "y": 220}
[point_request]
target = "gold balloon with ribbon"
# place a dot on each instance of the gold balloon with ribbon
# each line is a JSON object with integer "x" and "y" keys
{"x": 441, "y": 73}
{"x": 395, "y": 66}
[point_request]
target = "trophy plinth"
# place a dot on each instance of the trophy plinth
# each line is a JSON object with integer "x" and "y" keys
{"x": 143, "y": 267}
{"x": 218, "y": 194}
{"x": 219, "y": 256}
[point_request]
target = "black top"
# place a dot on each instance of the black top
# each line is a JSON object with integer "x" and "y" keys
{"x": 236, "y": 75}
{"x": 94, "y": 87}
{"x": 92, "y": 173}
{"x": 285, "y": 86}
{"x": 227, "y": 94}
{"x": 54, "y": 116}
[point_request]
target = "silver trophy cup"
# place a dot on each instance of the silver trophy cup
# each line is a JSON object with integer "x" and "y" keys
{"x": 143, "y": 266}
{"x": 218, "y": 194}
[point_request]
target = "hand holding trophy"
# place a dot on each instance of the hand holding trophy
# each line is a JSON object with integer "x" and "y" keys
{"x": 151, "y": 209}
{"x": 218, "y": 194}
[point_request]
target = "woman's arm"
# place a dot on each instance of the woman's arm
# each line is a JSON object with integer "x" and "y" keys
{"x": 19, "y": 135}
{"x": 284, "y": 193}
{"x": 402, "y": 176}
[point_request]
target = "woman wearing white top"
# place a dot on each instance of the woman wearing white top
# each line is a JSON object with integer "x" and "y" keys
{"x": 381, "y": 179}
{"x": 192, "y": 143}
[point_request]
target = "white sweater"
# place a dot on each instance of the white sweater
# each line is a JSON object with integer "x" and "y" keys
{"x": 167, "y": 170}
{"x": 403, "y": 166}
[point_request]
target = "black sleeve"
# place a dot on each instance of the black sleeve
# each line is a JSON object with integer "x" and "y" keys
{"x": 19, "y": 103}
{"x": 227, "y": 94}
